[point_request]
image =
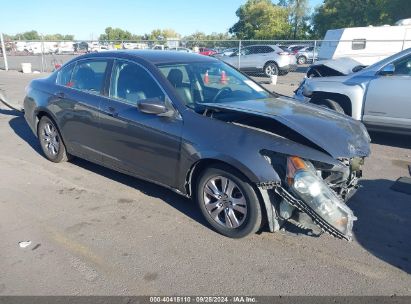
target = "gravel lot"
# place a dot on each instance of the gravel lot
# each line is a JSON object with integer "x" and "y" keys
{"x": 97, "y": 232}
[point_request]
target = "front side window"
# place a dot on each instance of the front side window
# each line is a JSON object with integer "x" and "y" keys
{"x": 89, "y": 75}
{"x": 131, "y": 82}
{"x": 210, "y": 82}
{"x": 403, "y": 66}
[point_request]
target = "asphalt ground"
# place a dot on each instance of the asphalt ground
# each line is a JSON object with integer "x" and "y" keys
{"x": 94, "y": 231}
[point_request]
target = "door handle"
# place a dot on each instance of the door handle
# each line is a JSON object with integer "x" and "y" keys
{"x": 60, "y": 94}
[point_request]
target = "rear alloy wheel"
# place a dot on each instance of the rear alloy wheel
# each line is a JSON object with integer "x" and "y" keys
{"x": 228, "y": 202}
{"x": 302, "y": 60}
{"x": 331, "y": 104}
{"x": 50, "y": 141}
{"x": 271, "y": 69}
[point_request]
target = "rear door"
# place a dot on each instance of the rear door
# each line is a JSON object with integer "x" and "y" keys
{"x": 79, "y": 96}
{"x": 145, "y": 145}
{"x": 388, "y": 99}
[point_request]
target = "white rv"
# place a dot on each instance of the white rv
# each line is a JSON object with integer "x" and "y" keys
{"x": 366, "y": 45}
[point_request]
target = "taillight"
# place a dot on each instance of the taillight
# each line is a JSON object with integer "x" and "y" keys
{"x": 283, "y": 53}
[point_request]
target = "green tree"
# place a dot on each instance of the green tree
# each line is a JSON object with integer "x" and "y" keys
{"x": 211, "y": 40}
{"x": 58, "y": 37}
{"x": 261, "y": 19}
{"x": 298, "y": 16}
{"x": 116, "y": 34}
{"x": 333, "y": 14}
{"x": 159, "y": 34}
{"x": 30, "y": 35}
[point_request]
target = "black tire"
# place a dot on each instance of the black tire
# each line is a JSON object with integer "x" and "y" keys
{"x": 250, "y": 222}
{"x": 271, "y": 69}
{"x": 57, "y": 145}
{"x": 302, "y": 60}
{"x": 331, "y": 104}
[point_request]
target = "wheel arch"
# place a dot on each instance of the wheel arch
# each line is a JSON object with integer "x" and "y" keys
{"x": 271, "y": 61}
{"x": 44, "y": 112}
{"x": 199, "y": 166}
{"x": 195, "y": 170}
{"x": 343, "y": 100}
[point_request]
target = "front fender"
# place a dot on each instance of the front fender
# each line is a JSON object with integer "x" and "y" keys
{"x": 354, "y": 92}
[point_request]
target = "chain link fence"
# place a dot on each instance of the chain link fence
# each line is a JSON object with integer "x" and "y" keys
{"x": 259, "y": 58}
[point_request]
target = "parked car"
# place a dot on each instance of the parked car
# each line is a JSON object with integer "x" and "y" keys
{"x": 378, "y": 95}
{"x": 183, "y": 49}
{"x": 267, "y": 59}
{"x": 245, "y": 155}
{"x": 206, "y": 51}
{"x": 160, "y": 47}
{"x": 80, "y": 47}
{"x": 306, "y": 54}
{"x": 225, "y": 52}
{"x": 295, "y": 48}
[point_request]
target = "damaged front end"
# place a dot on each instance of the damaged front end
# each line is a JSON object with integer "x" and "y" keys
{"x": 317, "y": 190}
{"x": 315, "y": 176}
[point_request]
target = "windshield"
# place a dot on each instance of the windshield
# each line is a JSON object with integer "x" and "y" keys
{"x": 210, "y": 82}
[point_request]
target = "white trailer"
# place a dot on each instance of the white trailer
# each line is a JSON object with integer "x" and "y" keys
{"x": 366, "y": 45}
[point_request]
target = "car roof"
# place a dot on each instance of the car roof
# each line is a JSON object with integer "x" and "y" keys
{"x": 153, "y": 56}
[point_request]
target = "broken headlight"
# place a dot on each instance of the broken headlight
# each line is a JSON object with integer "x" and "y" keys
{"x": 310, "y": 188}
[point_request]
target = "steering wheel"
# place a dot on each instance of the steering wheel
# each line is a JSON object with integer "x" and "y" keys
{"x": 220, "y": 92}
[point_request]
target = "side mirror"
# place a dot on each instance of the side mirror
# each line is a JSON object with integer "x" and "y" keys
{"x": 152, "y": 106}
{"x": 388, "y": 70}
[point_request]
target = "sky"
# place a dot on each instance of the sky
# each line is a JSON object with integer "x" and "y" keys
{"x": 87, "y": 19}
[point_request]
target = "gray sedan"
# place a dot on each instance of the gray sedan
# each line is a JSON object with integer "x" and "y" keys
{"x": 199, "y": 127}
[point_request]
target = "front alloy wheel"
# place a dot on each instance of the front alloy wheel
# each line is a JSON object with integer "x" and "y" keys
{"x": 224, "y": 201}
{"x": 228, "y": 201}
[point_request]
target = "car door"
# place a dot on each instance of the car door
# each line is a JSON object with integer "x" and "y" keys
{"x": 388, "y": 101}
{"x": 249, "y": 58}
{"x": 235, "y": 59}
{"x": 145, "y": 145}
{"x": 78, "y": 96}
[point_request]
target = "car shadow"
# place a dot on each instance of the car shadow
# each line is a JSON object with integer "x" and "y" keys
{"x": 384, "y": 221}
{"x": 392, "y": 140}
{"x": 22, "y": 129}
{"x": 182, "y": 204}
{"x": 10, "y": 112}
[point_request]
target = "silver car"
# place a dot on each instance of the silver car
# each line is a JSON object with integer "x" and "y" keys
{"x": 378, "y": 95}
{"x": 306, "y": 54}
{"x": 268, "y": 59}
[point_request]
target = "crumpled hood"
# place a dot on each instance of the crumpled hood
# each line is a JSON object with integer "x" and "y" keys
{"x": 344, "y": 65}
{"x": 338, "y": 135}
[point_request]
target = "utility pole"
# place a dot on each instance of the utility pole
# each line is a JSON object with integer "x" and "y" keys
{"x": 6, "y": 65}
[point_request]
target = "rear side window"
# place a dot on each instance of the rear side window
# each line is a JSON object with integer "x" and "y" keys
{"x": 131, "y": 82}
{"x": 265, "y": 49}
{"x": 64, "y": 75}
{"x": 89, "y": 75}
